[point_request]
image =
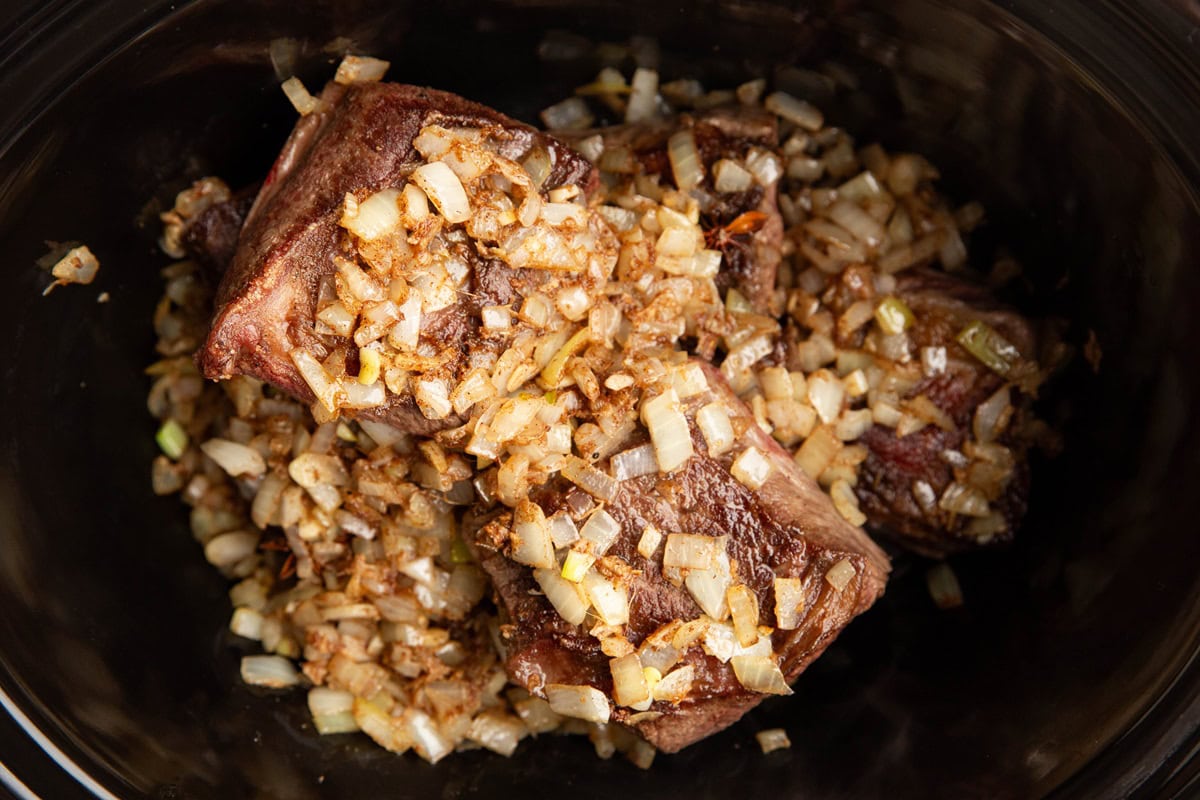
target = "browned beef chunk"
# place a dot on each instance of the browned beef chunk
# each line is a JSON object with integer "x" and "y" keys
{"x": 361, "y": 140}
{"x": 788, "y": 528}
{"x": 211, "y": 236}
{"x": 752, "y": 246}
{"x": 887, "y": 489}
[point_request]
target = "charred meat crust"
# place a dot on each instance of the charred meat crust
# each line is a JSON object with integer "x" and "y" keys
{"x": 361, "y": 140}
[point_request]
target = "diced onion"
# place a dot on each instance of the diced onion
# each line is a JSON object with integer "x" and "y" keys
{"x": 497, "y": 731}
{"x": 629, "y": 681}
{"x": 339, "y": 320}
{"x": 708, "y": 586}
{"x": 925, "y": 409}
{"x": 959, "y": 499}
{"x": 476, "y": 386}
{"x": 760, "y": 674}
{"x": 433, "y": 399}
{"x": 743, "y": 609}
{"x": 775, "y": 383}
{"x": 383, "y": 729}
{"x": 319, "y": 381}
{"x": 764, "y": 165}
{"x": 324, "y": 702}
{"x": 859, "y": 223}
{"x": 512, "y": 417}
{"x": 648, "y": 544}
{"x": 600, "y": 530}
{"x": 298, "y": 96}
{"x": 567, "y": 598}
{"x": 416, "y": 203}
{"x": 862, "y": 186}
{"x": 846, "y": 502}
{"x": 360, "y": 284}
{"x": 804, "y": 168}
{"x": 406, "y": 333}
{"x": 444, "y": 188}
{"x": 840, "y": 574}
{"x": 317, "y": 469}
{"x": 236, "y": 459}
{"x": 274, "y": 672}
{"x": 427, "y": 740}
{"x": 538, "y": 165}
{"x": 668, "y": 429}
{"x": 383, "y": 433}
{"x": 376, "y": 216}
{"x": 643, "y": 97}
{"x": 590, "y": 479}
{"x": 713, "y": 421}
{"x": 689, "y": 380}
{"x": 581, "y": 702}
{"x": 751, "y": 468}
{"x": 933, "y": 361}
{"x": 531, "y": 537}
{"x": 790, "y": 603}
{"x": 591, "y": 148}
{"x": 341, "y": 722}
{"x": 818, "y": 451}
{"x": 854, "y": 424}
{"x": 686, "y": 165}
{"x": 675, "y": 242}
{"x": 571, "y": 114}
{"x": 690, "y": 551}
{"x": 563, "y": 531}
{"x": 991, "y": 415}
{"x": 730, "y": 176}
{"x": 360, "y": 69}
{"x": 773, "y": 739}
{"x": 247, "y": 623}
{"x": 573, "y": 302}
{"x": 675, "y": 686}
{"x": 634, "y": 463}
{"x": 803, "y": 114}
{"x": 826, "y": 394}
{"x": 610, "y": 600}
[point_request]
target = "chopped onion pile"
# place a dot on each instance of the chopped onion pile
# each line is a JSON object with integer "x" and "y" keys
{"x": 79, "y": 265}
{"x": 583, "y": 382}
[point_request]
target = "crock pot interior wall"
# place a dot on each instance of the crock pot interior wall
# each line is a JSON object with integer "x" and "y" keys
{"x": 112, "y": 625}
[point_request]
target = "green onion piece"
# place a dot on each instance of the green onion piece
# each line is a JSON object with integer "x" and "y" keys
{"x": 893, "y": 316}
{"x": 459, "y": 554}
{"x": 982, "y": 341}
{"x": 172, "y": 438}
{"x": 346, "y": 433}
{"x": 551, "y": 396}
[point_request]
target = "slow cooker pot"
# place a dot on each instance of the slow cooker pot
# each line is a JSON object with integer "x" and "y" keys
{"x": 1069, "y": 673}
